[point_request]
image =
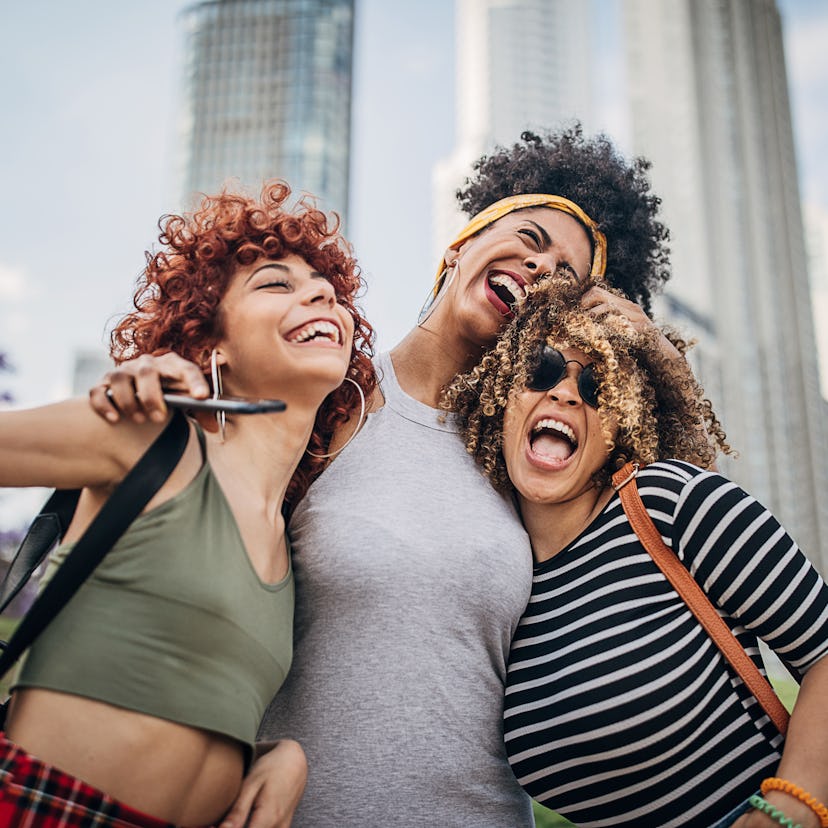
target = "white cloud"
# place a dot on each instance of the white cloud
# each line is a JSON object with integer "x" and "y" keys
{"x": 12, "y": 284}
{"x": 19, "y": 506}
{"x": 807, "y": 36}
{"x": 14, "y": 324}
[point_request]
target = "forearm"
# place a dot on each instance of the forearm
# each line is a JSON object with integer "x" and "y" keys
{"x": 805, "y": 757}
{"x": 64, "y": 445}
{"x": 56, "y": 445}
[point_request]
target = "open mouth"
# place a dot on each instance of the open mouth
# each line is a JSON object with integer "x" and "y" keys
{"x": 319, "y": 330}
{"x": 553, "y": 441}
{"x": 508, "y": 289}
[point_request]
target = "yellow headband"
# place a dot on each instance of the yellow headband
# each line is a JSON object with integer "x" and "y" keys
{"x": 519, "y": 202}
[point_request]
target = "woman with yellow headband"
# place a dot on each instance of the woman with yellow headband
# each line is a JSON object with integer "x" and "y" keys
{"x": 411, "y": 571}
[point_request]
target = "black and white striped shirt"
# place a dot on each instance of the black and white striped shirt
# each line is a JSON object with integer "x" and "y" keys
{"x": 619, "y": 709}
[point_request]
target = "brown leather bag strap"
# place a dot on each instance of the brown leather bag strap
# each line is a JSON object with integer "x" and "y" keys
{"x": 693, "y": 595}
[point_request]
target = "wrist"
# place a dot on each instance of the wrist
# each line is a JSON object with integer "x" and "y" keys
{"x": 798, "y": 812}
{"x": 792, "y": 791}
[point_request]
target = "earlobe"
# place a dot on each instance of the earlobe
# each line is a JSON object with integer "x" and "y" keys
{"x": 450, "y": 257}
{"x": 218, "y": 356}
{"x": 444, "y": 279}
{"x": 212, "y": 362}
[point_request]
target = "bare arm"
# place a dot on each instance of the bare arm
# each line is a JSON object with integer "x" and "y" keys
{"x": 65, "y": 445}
{"x": 787, "y": 611}
{"x": 805, "y": 758}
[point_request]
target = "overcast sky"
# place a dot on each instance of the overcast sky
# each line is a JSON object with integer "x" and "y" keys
{"x": 88, "y": 133}
{"x": 89, "y": 91}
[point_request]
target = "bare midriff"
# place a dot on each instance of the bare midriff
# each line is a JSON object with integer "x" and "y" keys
{"x": 173, "y": 772}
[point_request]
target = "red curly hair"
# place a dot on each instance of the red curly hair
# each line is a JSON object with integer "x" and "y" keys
{"x": 178, "y": 295}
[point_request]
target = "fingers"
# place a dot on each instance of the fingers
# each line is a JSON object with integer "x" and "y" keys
{"x": 179, "y": 374}
{"x": 597, "y": 300}
{"x": 102, "y": 404}
{"x": 236, "y": 817}
{"x": 261, "y": 806}
{"x": 271, "y": 791}
{"x": 594, "y": 296}
{"x": 134, "y": 389}
{"x": 597, "y": 296}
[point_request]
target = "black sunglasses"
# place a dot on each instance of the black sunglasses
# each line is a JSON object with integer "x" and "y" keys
{"x": 551, "y": 369}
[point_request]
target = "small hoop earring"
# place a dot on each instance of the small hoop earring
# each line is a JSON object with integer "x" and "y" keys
{"x": 356, "y": 430}
{"x": 431, "y": 302}
{"x": 215, "y": 374}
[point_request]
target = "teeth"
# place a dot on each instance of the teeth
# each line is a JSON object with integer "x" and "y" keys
{"x": 554, "y": 425}
{"x": 317, "y": 328}
{"x": 510, "y": 284}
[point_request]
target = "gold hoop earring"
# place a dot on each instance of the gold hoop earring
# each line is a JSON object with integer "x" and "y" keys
{"x": 356, "y": 430}
{"x": 431, "y": 302}
{"x": 215, "y": 374}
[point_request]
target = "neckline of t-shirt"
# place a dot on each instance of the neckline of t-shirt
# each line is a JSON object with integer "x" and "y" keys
{"x": 405, "y": 405}
{"x": 550, "y": 563}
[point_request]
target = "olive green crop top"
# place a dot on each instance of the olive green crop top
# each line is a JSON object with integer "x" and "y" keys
{"x": 174, "y": 622}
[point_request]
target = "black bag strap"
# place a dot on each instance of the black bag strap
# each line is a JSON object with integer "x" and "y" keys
{"x": 48, "y": 526}
{"x": 125, "y": 503}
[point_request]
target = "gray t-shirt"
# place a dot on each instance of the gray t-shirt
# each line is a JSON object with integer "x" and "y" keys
{"x": 411, "y": 575}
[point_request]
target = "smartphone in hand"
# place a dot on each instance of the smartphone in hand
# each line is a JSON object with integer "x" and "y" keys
{"x": 231, "y": 405}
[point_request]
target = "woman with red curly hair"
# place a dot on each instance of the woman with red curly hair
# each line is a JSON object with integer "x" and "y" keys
{"x": 139, "y": 704}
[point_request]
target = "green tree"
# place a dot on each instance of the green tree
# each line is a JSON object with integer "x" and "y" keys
{"x": 544, "y": 818}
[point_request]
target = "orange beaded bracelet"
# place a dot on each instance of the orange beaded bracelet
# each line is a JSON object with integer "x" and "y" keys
{"x": 774, "y": 783}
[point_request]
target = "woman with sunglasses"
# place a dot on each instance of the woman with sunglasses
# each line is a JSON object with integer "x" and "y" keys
{"x": 411, "y": 571}
{"x": 620, "y": 710}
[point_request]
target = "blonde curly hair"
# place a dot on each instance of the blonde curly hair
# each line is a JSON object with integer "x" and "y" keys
{"x": 655, "y": 403}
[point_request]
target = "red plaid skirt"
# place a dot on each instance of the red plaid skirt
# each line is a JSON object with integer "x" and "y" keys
{"x": 36, "y": 795}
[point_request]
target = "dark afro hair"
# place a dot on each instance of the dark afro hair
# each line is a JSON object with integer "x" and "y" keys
{"x": 591, "y": 172}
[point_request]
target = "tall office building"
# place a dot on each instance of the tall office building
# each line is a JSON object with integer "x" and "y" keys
{"x": 520, "y": 64}
{"x": 710, "y": 108}
{"x": 268, "y": 93}
{"x": 816, "y": 242}
{"x": 88, "y": 368}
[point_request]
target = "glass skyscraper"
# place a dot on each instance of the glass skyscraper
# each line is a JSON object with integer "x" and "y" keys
{"x": 710, "y": 108}
{"x": 268, "y": 94}
{"x": 521, "y": 64}
{"x": 705, "y": 92}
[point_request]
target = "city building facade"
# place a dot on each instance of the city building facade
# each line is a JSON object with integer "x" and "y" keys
{"x": 521, "y": 64}
{"x": 704, "y": 87}
{"x": 709, "y": 107}
{"x": 267, "y": 93}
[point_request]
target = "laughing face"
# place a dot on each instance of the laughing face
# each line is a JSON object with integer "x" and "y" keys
{"x": 284, "y": 332}
{"x": 553, "y": 444}
{"x": 497, "y": 266}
